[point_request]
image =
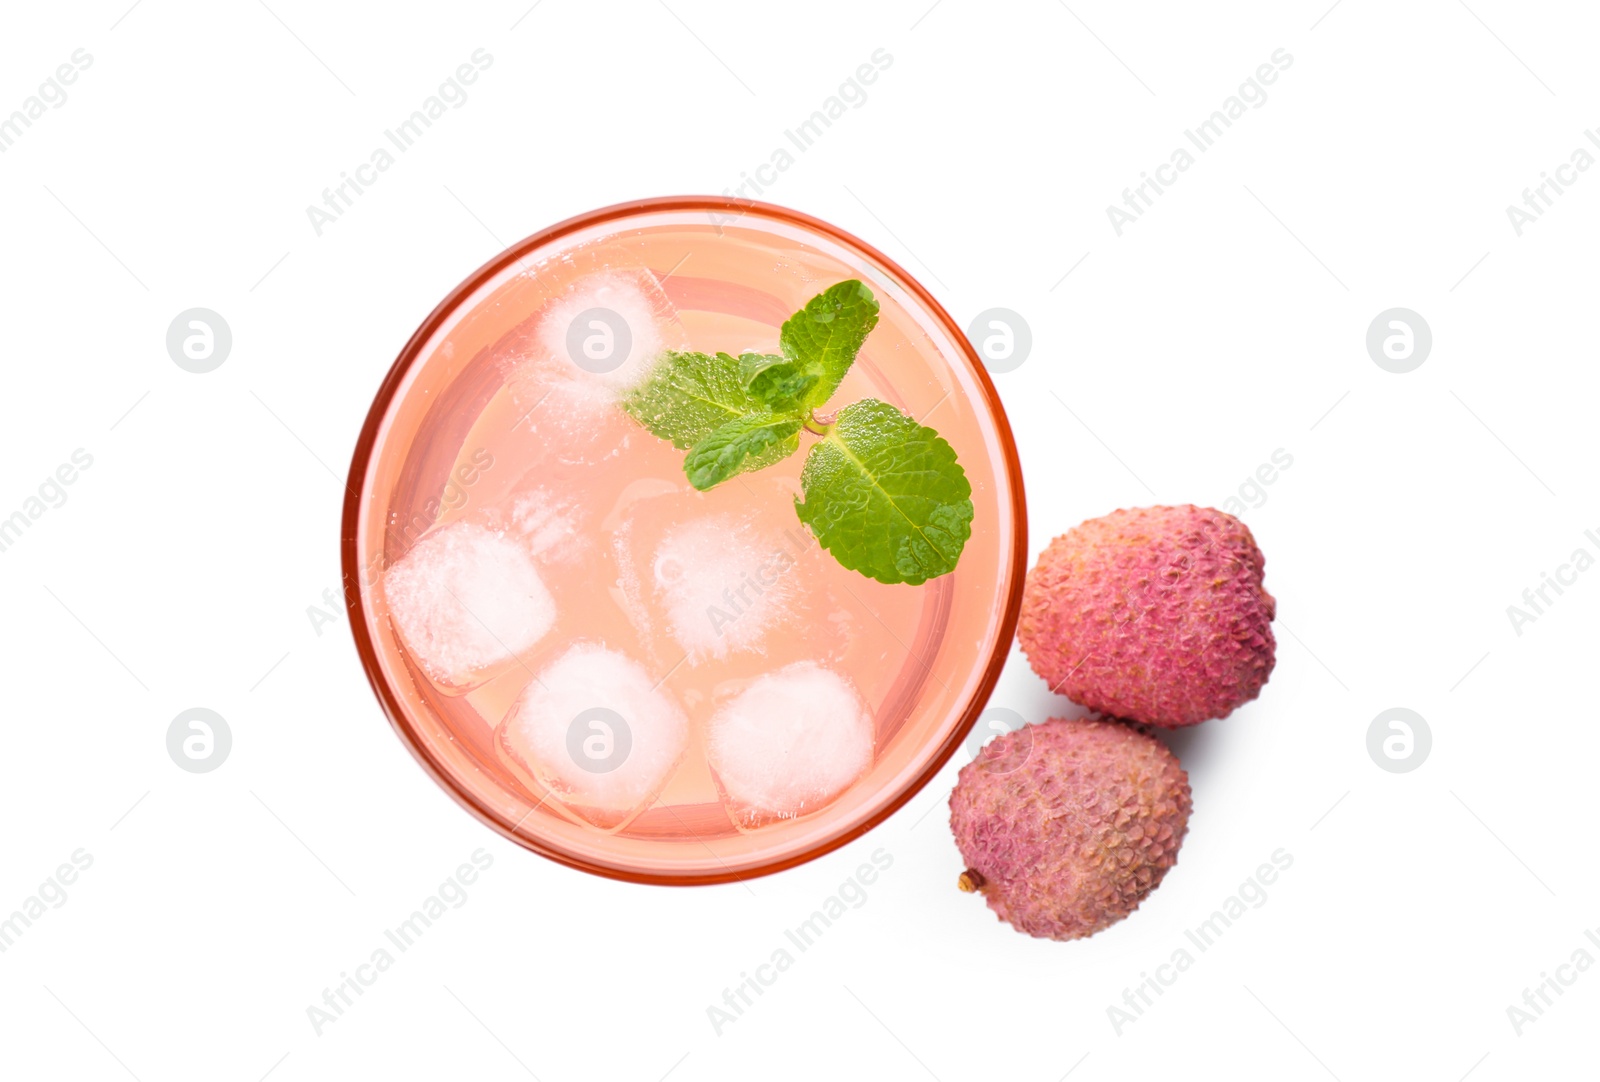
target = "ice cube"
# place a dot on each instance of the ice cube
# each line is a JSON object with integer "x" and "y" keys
{"x": 465, "y": 601}
{"x": 567, "y": 365}
{"x": 594, "y": 729}
{"x": 607, "y": 330}
{"x": 724, "y": 584}
{"x": 789, "y": 743}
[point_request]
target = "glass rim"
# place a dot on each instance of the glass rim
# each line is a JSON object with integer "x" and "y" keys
{"x": 356, "y": 495}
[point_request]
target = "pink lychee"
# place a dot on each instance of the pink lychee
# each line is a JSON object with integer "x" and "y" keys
{"x": 1156, "y": 615}
{"x": 1065, "y": 827}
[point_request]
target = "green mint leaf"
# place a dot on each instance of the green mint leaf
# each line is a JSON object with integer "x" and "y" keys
{"x": 752, "y": 442}
{"x": 827, "y": 333}
{"x": 886, "y": 495}
{"x": 688, "y": 396}
{"x": 776, "y": 382}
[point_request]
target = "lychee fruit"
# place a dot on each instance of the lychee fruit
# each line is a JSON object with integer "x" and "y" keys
{"x": 1065, "y": 827}
{"x": 1155, "y": 614}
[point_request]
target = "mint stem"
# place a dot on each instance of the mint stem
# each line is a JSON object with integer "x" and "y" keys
{"x": 819, "y": 424}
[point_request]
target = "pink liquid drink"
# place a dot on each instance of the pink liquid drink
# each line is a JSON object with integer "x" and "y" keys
{"x": 609, "y": 666}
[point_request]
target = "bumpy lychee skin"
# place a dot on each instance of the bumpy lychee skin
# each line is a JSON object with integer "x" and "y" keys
{"x": 1067, "y": 826}
{"x": 1155, "y": 615}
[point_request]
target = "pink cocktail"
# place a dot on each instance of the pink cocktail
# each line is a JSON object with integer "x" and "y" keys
{"x": 615, "y": 669}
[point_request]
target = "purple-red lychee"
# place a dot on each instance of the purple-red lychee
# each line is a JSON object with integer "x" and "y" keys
{"x": 1156, "y": 615}
{"x": 1067, "y": 826}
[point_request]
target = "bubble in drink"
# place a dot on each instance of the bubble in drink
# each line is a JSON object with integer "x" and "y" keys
{"x": 593, "y": 728}
{"x": 465, "y": 601}
{"x": 789, "y": 743}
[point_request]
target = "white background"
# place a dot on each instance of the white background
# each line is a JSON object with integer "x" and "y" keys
{"x": 1171, "y": 363}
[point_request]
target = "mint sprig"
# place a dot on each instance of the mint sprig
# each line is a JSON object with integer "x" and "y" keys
{"x": 883, "y": 493}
